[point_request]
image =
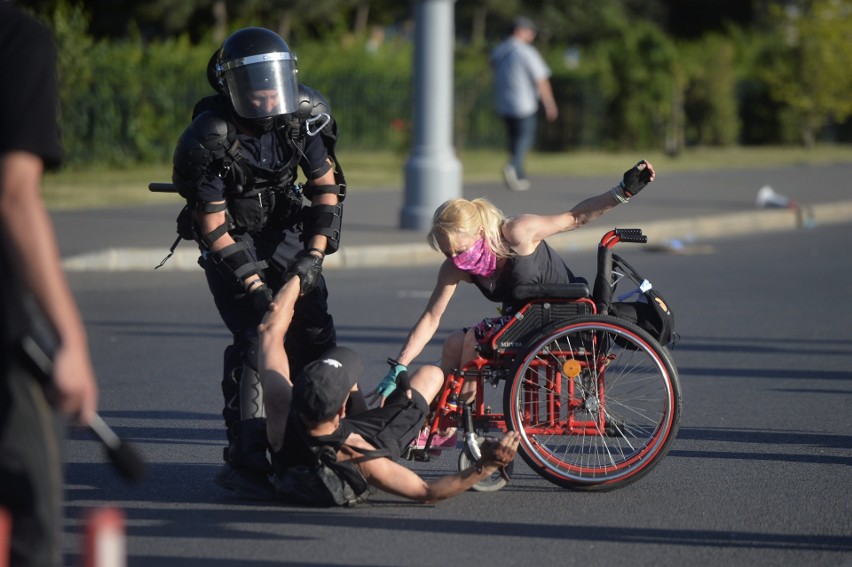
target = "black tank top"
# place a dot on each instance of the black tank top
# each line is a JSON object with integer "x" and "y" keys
{"x": 543, "y": 266}
{"x": 296, "y": 450}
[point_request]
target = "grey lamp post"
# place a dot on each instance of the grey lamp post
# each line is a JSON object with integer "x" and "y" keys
{"x": 432, "y": 171}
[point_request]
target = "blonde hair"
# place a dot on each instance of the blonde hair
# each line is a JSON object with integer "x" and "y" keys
{"x": 461, "y": 216}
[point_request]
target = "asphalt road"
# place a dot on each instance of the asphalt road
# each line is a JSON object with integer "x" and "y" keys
{"x": 759, "y": 475}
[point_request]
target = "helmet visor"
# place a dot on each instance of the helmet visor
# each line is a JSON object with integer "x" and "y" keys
{"x": 263, "y": 85}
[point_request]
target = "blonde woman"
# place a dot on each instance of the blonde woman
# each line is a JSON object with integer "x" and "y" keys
{"x": 496, "y": 254}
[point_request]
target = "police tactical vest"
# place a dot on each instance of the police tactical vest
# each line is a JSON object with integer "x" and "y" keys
{"x": 256, "y": 196}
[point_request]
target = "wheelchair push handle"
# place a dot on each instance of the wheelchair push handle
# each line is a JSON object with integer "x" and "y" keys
{"x": 631, "y": 235}
{"x": 617, "y": 235}
{"x": 602, "y": 290}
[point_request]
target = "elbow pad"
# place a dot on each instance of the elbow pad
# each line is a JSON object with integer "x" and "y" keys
{"x": 310, "y": 191}
{"x": 326, "y": 220}
{"x": 235, "y": 263}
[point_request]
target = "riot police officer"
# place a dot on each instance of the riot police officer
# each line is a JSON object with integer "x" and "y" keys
{"x": 256, "y": 225}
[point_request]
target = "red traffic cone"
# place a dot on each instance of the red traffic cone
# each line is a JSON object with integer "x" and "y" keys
{"x": 106, "y": 544}
{"x": 5, "y": 536}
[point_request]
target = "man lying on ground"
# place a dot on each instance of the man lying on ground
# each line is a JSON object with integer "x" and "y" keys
{"x": 321, "y": 455}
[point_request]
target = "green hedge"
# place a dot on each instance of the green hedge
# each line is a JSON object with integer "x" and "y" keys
{"x": 126, "y": 102}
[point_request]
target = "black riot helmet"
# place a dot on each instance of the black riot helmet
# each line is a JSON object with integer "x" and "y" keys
{"x": 256, "y": 70}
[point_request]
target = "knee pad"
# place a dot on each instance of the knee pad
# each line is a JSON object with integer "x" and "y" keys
{"x": 241, "y": 387}
{"x": 251, "y": 390}
{"x": 251, "y": 394}
{"x": 232, "y": 373}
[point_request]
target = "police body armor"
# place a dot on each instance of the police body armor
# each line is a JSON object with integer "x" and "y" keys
{"x": 256, "y": 197}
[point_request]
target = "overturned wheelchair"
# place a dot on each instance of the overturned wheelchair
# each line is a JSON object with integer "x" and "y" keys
{"x": 588, "y": 382}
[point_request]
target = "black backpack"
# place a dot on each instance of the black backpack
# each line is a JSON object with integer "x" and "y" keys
{"x": 327, "y": 482}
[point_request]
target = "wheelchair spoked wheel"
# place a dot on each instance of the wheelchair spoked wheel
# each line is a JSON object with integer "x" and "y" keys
{"x": 596, "y": 401}
{"x": 491, "y": 484}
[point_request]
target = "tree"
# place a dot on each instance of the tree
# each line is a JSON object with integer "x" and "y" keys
{"x": 638, "y": 75}
{"x": 710, "y": 79}
{"x": 811, "y": 75}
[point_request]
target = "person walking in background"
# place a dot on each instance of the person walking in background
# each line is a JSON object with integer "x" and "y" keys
{"x": 521, "y": 80}
{"x": 31, "y": 404}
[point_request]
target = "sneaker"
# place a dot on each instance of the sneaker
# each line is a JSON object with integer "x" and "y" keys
{"x": 244, "y": 482}
{"x": 512, "y": 181}
{"x": 510, "y": 176}
{"x": 441, "y": 440}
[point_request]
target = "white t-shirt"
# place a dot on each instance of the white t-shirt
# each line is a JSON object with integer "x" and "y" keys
{"x": 517, "y": 66}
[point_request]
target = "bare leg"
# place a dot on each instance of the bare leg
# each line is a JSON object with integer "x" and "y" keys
{"x": 428, "y": 380}
{"x": 468, "y": 353}
{"x": 451, "y": 354}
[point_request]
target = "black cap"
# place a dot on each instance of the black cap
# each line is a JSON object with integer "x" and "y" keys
{"x": 524, "y": 22}
{"x": 324, "y": 384}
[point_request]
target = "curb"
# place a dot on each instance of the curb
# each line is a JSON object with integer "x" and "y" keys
{"x": 661, "y": 233}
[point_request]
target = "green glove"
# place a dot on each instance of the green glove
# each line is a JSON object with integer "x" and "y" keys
{"x": 397, "y": 375}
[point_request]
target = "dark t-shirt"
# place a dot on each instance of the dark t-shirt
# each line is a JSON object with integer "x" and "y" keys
{"x": 28, "y": 92}
{"x": 28, "y": 122}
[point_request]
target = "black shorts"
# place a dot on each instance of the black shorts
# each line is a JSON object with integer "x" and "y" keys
{"x": 393, "y": 426}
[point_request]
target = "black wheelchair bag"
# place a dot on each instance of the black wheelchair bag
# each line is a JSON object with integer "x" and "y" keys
{"x": 646, "y": 308}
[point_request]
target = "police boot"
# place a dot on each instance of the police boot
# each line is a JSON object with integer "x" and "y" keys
{"x": 247, "y": 469}
{"x": 250, "y": 449}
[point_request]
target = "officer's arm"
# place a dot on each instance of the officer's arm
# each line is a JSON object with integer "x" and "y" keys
{"x": 321, "y": 227}
{"x": 323, "y": 220}
{"x": 198, "y": 175}
{"x": 319, "y": 240}
{"x": 210, "y": 223}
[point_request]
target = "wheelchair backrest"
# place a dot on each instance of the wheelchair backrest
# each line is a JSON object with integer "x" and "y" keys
{"x": 529, "y": 321}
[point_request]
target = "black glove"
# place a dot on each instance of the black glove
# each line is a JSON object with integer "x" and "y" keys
{"x": 309, "y": 269}
{"x": 635, "y": 179}
{"x": 261, "y": 296}
{"x": 403, "y": 381}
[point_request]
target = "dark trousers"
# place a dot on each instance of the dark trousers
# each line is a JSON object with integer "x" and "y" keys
{"x": 520, "y": 133}
{"x": 311, "y": 332}
{"x": 31, "y": 466}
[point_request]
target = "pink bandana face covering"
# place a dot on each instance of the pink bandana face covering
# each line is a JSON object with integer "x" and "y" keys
{"x": 478, "y": 260}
